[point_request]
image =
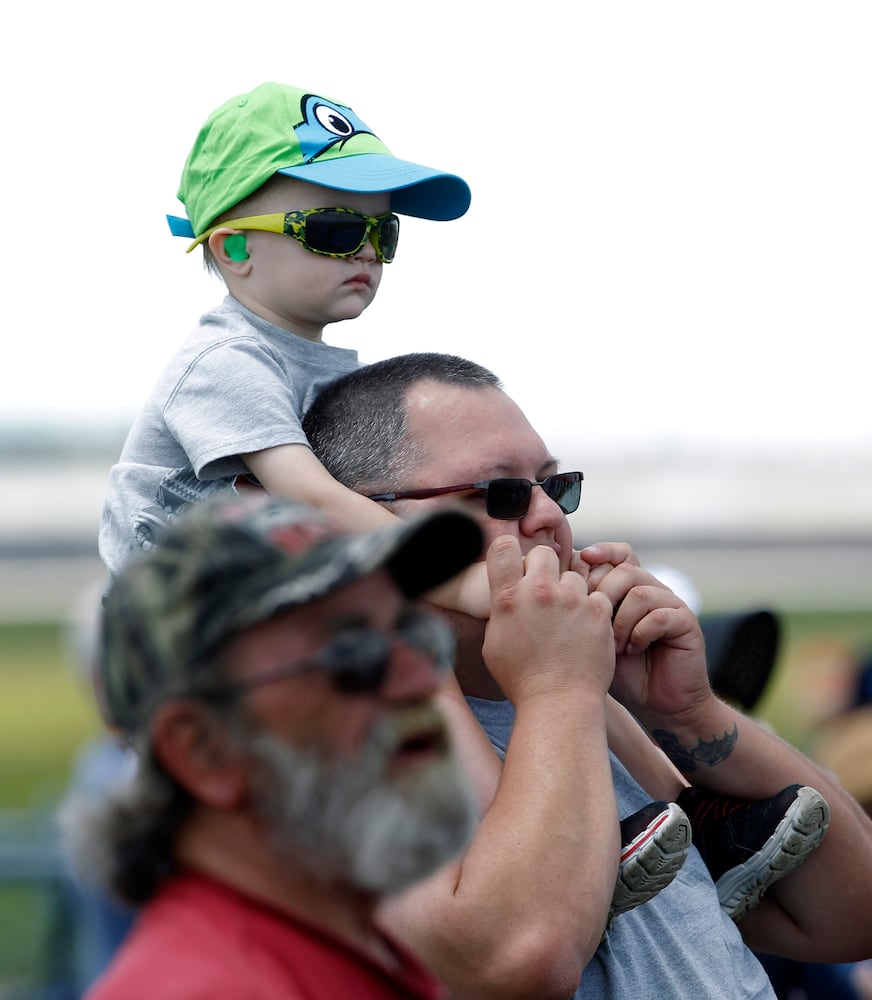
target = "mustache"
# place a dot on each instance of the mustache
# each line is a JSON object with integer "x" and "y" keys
{"x": 403, "y": 729}
{"x": 400, "y": 729}
{"x": 408, "y": 727}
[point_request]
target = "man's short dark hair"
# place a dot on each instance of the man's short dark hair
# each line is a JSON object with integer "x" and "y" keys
{"x": 357, "y": 424}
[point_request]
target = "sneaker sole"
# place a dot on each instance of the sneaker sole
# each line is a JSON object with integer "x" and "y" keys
{"x": 796, "y": 837}
{"x": 650, "y": 862}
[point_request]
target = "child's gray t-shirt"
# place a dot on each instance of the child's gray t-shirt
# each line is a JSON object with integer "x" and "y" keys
{"x": 237, "y": 385}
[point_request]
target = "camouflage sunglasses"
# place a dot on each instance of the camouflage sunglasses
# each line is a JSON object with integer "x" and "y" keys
{"x": 332, "y": 232}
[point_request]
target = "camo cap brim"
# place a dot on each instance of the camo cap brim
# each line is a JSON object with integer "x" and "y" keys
{"x": 228, "y": 564}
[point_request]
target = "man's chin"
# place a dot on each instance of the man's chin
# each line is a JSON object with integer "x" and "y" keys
{"x": 371, "y": 825}
{"x": 417, "y": 825}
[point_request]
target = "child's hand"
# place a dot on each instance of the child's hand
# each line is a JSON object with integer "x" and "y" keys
{"x": 577, "y": 564}
{"x": 595, "y": 562}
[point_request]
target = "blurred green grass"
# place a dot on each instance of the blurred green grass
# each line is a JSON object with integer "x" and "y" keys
{"x": 815, "y": 672}
{"x": 45, "y": 713}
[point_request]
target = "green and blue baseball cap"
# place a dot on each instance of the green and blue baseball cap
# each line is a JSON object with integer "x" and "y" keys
{"x": 230, "y": 562}
{"x": 276, "y": 128}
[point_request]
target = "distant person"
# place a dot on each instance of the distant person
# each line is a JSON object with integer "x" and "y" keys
{"x": 102, "y": 763}
{"x": 741, "y": 646}
{"x": 843, "y": 742}
{"x": 276, "y": 679}
{"x": 843, "y": 745}
{"x": 518, "y": 914}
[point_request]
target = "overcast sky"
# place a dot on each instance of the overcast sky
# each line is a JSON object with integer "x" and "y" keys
{"x": 670, "y": 235}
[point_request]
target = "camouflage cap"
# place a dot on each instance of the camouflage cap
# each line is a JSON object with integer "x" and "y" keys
{"x": 230, "y": 563}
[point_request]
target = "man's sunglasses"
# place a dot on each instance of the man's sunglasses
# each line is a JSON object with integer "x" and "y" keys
{"x": 332, "y": 232}
{"x": 506, "y": 499}
{"x": 357, "y": 660}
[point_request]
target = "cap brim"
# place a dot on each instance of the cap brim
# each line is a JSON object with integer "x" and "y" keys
{"x": 415, "y": 190}
{"x": 740, "y": 651}
{"x": 419, "y": 554}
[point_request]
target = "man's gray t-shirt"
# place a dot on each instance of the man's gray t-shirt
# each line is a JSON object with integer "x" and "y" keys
{"x": 238, "y": 384}
{"x": 680, "y": 943}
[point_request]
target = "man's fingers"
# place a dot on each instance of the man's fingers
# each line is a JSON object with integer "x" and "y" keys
{"x": 542, "y": 560}
{"x": 597, "y": 574}
{"x": 505, "y": 564}
{"x": 506, "y": 567}
{"x": 600, "y": 598}
{"x": 649, "y": 614}
{"x": 578, "y": 565}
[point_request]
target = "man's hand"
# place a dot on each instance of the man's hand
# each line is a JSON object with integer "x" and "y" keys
{"x": 545, "y": 632}
{"x": 660, "y": 669}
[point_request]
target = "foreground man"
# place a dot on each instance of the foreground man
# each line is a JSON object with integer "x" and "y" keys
{"x": 517, "y": 917}
{"x": 277, "y": 680}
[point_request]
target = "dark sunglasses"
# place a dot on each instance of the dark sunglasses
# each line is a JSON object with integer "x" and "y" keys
{"x": 357, "y": 659}
{"x": 332, "y": 232}
{"x": 506, "y": 499}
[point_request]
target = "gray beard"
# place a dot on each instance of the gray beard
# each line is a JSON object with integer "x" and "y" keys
{"x": 349, "y": 821}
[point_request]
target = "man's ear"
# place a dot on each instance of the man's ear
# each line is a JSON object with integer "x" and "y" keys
{"x": 229, "y": 249}
{"x": 189, "y": 742}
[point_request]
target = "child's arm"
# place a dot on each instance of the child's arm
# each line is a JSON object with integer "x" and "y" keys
{"x": 292, "y": 471}
{"x": 643, "y": 758}
{"x": 647, "y": 763}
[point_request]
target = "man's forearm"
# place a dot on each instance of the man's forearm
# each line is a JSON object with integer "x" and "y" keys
{"x": 821, "y": 911}
{"x": 523, "y": 912}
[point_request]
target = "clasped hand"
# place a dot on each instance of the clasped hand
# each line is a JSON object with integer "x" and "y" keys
{"x": 660, "y": 668}
{"x": 544, "y": 625}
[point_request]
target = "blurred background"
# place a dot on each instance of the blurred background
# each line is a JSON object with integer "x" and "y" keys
{"x": 667, "y": 260}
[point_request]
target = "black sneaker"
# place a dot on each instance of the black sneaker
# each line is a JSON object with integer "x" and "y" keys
{"x": 748, "y": 845}
{"x": 655, "y": 842}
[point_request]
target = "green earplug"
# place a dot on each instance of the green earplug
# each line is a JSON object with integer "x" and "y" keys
{"x": 234, "y": 247}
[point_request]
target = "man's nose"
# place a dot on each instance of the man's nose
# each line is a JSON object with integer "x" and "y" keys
{"x": 543, "y": 513}
{"x": 411, "y": 676}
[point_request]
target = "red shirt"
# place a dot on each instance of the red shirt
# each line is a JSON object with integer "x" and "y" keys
{"x": 202, "y": 940}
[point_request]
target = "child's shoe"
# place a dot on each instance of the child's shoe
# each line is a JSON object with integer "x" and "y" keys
{"x": 655, "y": 842}
{"x": 748, "y": 845}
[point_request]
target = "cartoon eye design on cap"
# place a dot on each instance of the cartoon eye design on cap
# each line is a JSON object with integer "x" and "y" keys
{"x": 324, "y": 125}
{"x": 333, "y": 120}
